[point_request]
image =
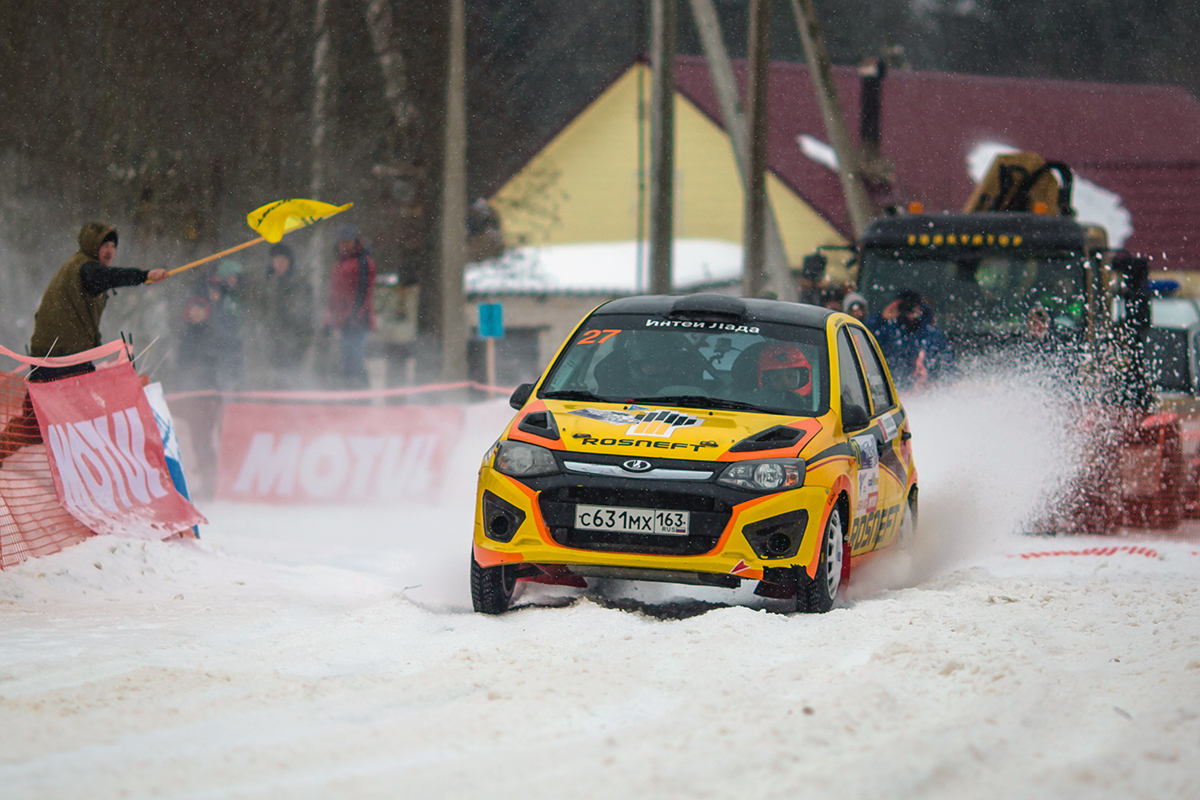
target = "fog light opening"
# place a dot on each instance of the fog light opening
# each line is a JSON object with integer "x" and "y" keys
{"x": 499, "y": 526}
{"x": 501, "y": 519}
{"x": 779, "y": 543}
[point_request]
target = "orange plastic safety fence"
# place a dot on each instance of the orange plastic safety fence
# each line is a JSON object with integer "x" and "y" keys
{"x": 32, "y": 522}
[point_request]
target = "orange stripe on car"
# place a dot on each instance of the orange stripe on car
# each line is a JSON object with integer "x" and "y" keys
{"x": 535, "y": 509}
{"x": 841, "y": 484}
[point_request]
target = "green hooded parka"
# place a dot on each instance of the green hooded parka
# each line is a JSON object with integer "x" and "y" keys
{"x": 68, "y": 319}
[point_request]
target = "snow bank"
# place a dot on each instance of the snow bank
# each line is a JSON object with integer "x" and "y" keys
{"x": 302, "y": 654}
{"x": 619, "y": 268}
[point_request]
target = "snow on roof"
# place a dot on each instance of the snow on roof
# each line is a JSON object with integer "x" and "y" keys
{"x": 602, "y": 268}
{"x": 1093, "y": 204}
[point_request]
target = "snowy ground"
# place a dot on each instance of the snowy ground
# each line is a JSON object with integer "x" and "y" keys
{"x": 294, "y": 653}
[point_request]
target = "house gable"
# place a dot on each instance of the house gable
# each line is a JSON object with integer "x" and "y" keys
{"x": 585, "y": 185}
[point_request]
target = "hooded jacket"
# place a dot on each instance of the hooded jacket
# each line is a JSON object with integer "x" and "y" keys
{"x": 68, "y": 318}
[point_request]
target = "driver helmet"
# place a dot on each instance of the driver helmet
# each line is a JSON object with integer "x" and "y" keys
{"x": 785, "y": 355}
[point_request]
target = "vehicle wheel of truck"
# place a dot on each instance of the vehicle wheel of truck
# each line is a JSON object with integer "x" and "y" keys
{"x": 816, "y": 595}
{"x": 906, "y": 537}
{"x": 492, "y": 587}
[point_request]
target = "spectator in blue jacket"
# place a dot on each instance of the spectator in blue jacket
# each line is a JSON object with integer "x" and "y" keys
{"x": 917, "y": 353}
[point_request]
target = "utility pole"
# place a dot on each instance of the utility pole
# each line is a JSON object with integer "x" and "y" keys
{"x": 454, "y": 203}
{"x": 721, "y": 70}
{"x": 662, "y": 144}
{"x": 857, "y": 202}
{"x": 753, "y": 275}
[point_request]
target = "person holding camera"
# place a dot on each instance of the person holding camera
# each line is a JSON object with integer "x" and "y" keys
{"x": 917, "y": 353}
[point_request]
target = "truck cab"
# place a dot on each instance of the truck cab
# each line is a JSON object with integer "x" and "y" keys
{"x": 982, "y": 274}
{"x": 1015, "y": 269}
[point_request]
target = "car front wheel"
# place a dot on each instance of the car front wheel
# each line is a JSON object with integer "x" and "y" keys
{"x": 492, "y": 587}
{"x": 816, "y": 595}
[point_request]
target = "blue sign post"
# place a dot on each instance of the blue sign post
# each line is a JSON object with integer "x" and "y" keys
{"x": 491, "y": 321}
{"x": 491, "y": 328}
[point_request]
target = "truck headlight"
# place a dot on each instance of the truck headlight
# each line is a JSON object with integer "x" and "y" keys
{"x": 771, "y": 475}
{"x": 522, "y": 460}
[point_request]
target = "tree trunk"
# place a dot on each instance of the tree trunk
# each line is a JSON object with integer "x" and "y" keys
{"x": 454, "y": 204}
{"x": 857, "y": 203}
{"x": 391, "y": 64}
{"x": 322, "y": 76}
{"x": 779, "y": 274}
{"x": 322, "y": 73}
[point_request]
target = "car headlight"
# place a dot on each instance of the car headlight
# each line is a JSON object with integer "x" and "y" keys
{"x": 773, "y": 475}
{"x": 522, "y": 460}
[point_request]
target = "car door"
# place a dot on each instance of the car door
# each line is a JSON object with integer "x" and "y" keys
{"x": 864, "y": 515}
{"x": 887, "y": 422}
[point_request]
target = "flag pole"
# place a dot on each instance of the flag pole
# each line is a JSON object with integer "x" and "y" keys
{"x": 215, "y": 256}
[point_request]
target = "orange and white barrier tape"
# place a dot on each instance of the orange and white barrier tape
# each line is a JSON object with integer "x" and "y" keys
{"x": 1148, "y": 552}
{"x": 344, "y": 394}
{"x": 116, "y": 347}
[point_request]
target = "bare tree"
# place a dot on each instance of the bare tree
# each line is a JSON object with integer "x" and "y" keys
{"x": 721, "y": 70}
{"x": 322, "y": 76}
{"x": 391, "y": 64}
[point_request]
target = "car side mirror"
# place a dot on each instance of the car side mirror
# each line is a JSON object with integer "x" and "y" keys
{"x": 520, "y": 396}
{"x": 854, "y": 418}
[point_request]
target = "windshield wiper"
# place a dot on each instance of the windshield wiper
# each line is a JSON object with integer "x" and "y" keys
{"x": 577, "y": 394}
{"x": 697, "y": 401}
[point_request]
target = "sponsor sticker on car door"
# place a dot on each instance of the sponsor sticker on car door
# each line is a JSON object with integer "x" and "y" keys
{"x": 868, "y": 474}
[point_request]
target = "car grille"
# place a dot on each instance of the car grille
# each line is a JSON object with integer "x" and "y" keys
{"x": 709, "y": 516}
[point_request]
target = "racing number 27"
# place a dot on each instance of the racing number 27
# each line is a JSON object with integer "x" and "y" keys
{"x": 594, "y": 336}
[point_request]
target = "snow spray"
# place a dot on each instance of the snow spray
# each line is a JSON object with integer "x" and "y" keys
{"x": 994, "y": 450}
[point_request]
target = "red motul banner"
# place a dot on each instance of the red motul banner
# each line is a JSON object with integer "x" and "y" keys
{"x": 106, "y": 455}
{"x": 296, "y": 454}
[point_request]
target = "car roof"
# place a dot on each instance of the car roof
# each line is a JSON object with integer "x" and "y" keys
{"x": 720, "y": 306}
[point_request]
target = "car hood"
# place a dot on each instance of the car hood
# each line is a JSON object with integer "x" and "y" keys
{"x": 661, "y": 431}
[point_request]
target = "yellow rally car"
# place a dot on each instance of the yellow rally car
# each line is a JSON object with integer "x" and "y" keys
{"x": 701, "y": 439}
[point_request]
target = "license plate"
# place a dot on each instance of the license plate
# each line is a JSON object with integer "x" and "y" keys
{"x": 632, "y": 520}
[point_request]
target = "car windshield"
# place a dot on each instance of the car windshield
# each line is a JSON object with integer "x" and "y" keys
{"x": 980, "y": 293}
{"x": 649, "y": 360}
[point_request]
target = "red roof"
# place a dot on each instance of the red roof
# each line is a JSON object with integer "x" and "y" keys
{"x": 1141, "y": 142}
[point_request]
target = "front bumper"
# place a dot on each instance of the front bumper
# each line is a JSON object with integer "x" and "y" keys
{"x": 733, "y": 532}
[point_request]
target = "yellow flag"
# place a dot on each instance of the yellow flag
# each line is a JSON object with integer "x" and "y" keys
{"x": 273, "y": 220}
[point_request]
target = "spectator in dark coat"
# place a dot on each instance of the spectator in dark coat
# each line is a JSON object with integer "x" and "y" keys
{"x": 207, "y": 357}
{"x": 917, "y": 353}
{"x": 351, "y": 307}
{"x": 68, "y": 318}
{"x": 280, "y": 310}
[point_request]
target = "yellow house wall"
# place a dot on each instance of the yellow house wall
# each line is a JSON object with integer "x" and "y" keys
{"x": 583, "y": 186}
